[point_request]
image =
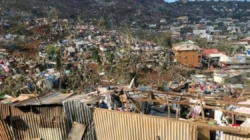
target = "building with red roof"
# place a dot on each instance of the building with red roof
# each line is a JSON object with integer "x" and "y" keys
{"x": 209, "y": 51}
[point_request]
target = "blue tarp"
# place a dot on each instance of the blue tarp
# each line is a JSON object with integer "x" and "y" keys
{"x": 145, "y": 88}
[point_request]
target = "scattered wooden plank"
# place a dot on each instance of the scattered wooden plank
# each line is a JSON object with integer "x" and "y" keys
{"x": 77, "y": 131}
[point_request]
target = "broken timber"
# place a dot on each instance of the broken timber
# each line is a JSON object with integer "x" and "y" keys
{"x": 77, "y": 131}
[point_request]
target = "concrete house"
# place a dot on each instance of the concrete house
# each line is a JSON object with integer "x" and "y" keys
{"x": 187, "y": 54}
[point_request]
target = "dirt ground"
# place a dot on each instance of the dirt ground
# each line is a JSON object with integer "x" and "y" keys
{"x": 33, "y": 45}
{"x": 29, "y": 54}
{"x": 41, "y": 31}
{"x": 152, "y": 78}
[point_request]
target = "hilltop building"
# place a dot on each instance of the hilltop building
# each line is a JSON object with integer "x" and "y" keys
{"x": 187, "y": 54}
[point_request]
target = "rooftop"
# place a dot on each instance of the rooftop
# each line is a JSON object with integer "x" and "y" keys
{"x": 45, "y": 99}
{"x": 209, "y": 51}
{"x": 185, "y": 46}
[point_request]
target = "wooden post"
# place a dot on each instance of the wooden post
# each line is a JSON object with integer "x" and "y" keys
{"x": 241, "y": 95}
{"x": 135, "y": 106}
{"x": 233, "y": 121}
{"x": 190, "y": 112}
{"x": 178, "y": 109}
{"x": 126, "y": 102}
{"x": 122, "y": 105}
{"x": 168, "y": 108}
{"x": 202, "y": 110}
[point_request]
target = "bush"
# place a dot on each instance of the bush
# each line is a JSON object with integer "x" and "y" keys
{"x": 4, "y": 92}
{"x": 23, "y": 31}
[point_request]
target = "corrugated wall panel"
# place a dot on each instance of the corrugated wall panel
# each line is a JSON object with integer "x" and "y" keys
{"x": 25, "y": 126}
{"x": 5, "y": 111}
{"x": 77, "y": 111}
{"x": 236, "y": 137}
{"x": 8, "y": 110}
{"x": 16, "y": 111}
{"x": 34, "y": 126}
{"x": 114, "y": 125}
{"x": 5, "y": 132}
{"x": 48, "y": 110}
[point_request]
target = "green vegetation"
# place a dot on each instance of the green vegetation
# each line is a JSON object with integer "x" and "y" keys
{"x": 51, "y": 52}
{"x": 22, "y": 31}
{"x": 53, "y": 14}
{"x": 95, "y": 55}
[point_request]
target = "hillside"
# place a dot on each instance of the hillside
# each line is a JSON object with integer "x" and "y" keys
{"x": 111, "y": 9}
{"x": 118, "y": 11}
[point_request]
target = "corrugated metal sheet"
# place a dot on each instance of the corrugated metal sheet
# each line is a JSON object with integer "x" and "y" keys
{"x": 7, "y": 110}
{"x": 35, "y": 126}
{"x": 52, "y": 128}
{"x": 25, "y": 126}
{"x": 16, "y": 111}
{"x": 115, "y": 125}
{"x": 77, "y": 111}
{"x": 236, "y": 137}
{"x": 48, "y": 110}
{"x": 46, "y": 99}
{"x": 5, "y": 132}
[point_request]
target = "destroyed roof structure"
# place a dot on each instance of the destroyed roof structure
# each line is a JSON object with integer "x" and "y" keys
{"x": 53, "y": 98}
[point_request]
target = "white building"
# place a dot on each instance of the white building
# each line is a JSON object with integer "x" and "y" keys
{"x": 199, "y": 32}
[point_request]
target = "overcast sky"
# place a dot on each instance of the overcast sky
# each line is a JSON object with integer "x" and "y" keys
{"x": 170, "y": 0}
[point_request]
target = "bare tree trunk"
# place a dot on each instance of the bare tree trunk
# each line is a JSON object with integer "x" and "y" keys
{"x": 158, "y": 79}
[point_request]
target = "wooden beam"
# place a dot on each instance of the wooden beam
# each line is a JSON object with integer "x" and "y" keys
{"x": 202, "y": 110}
{"x": 168, "y": 108}
{"x": 223, "y": 110}
{"x": 127, "y": 109}
{"x": 220, "y": 128}
{"x": 184, "y": 103}
{"x": 135, "y": 106}
{"x": 176, "y": 94}
{"x": 178, "y": 109}
{"x": 241, "y": 95}
{"x": 212, "y": 100}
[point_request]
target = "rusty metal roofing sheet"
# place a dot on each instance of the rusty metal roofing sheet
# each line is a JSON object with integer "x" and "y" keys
{"x": 48, "y": 110}
{"x": 45, "y": 99}
{"x": 85, "y": 98}
{"x": 5, "y": 111}
{"x": 5, "y": 132}
{"x": 114, "y": 125}
{"x": 34, "y": 126}
{"x": 8, "y": 110}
